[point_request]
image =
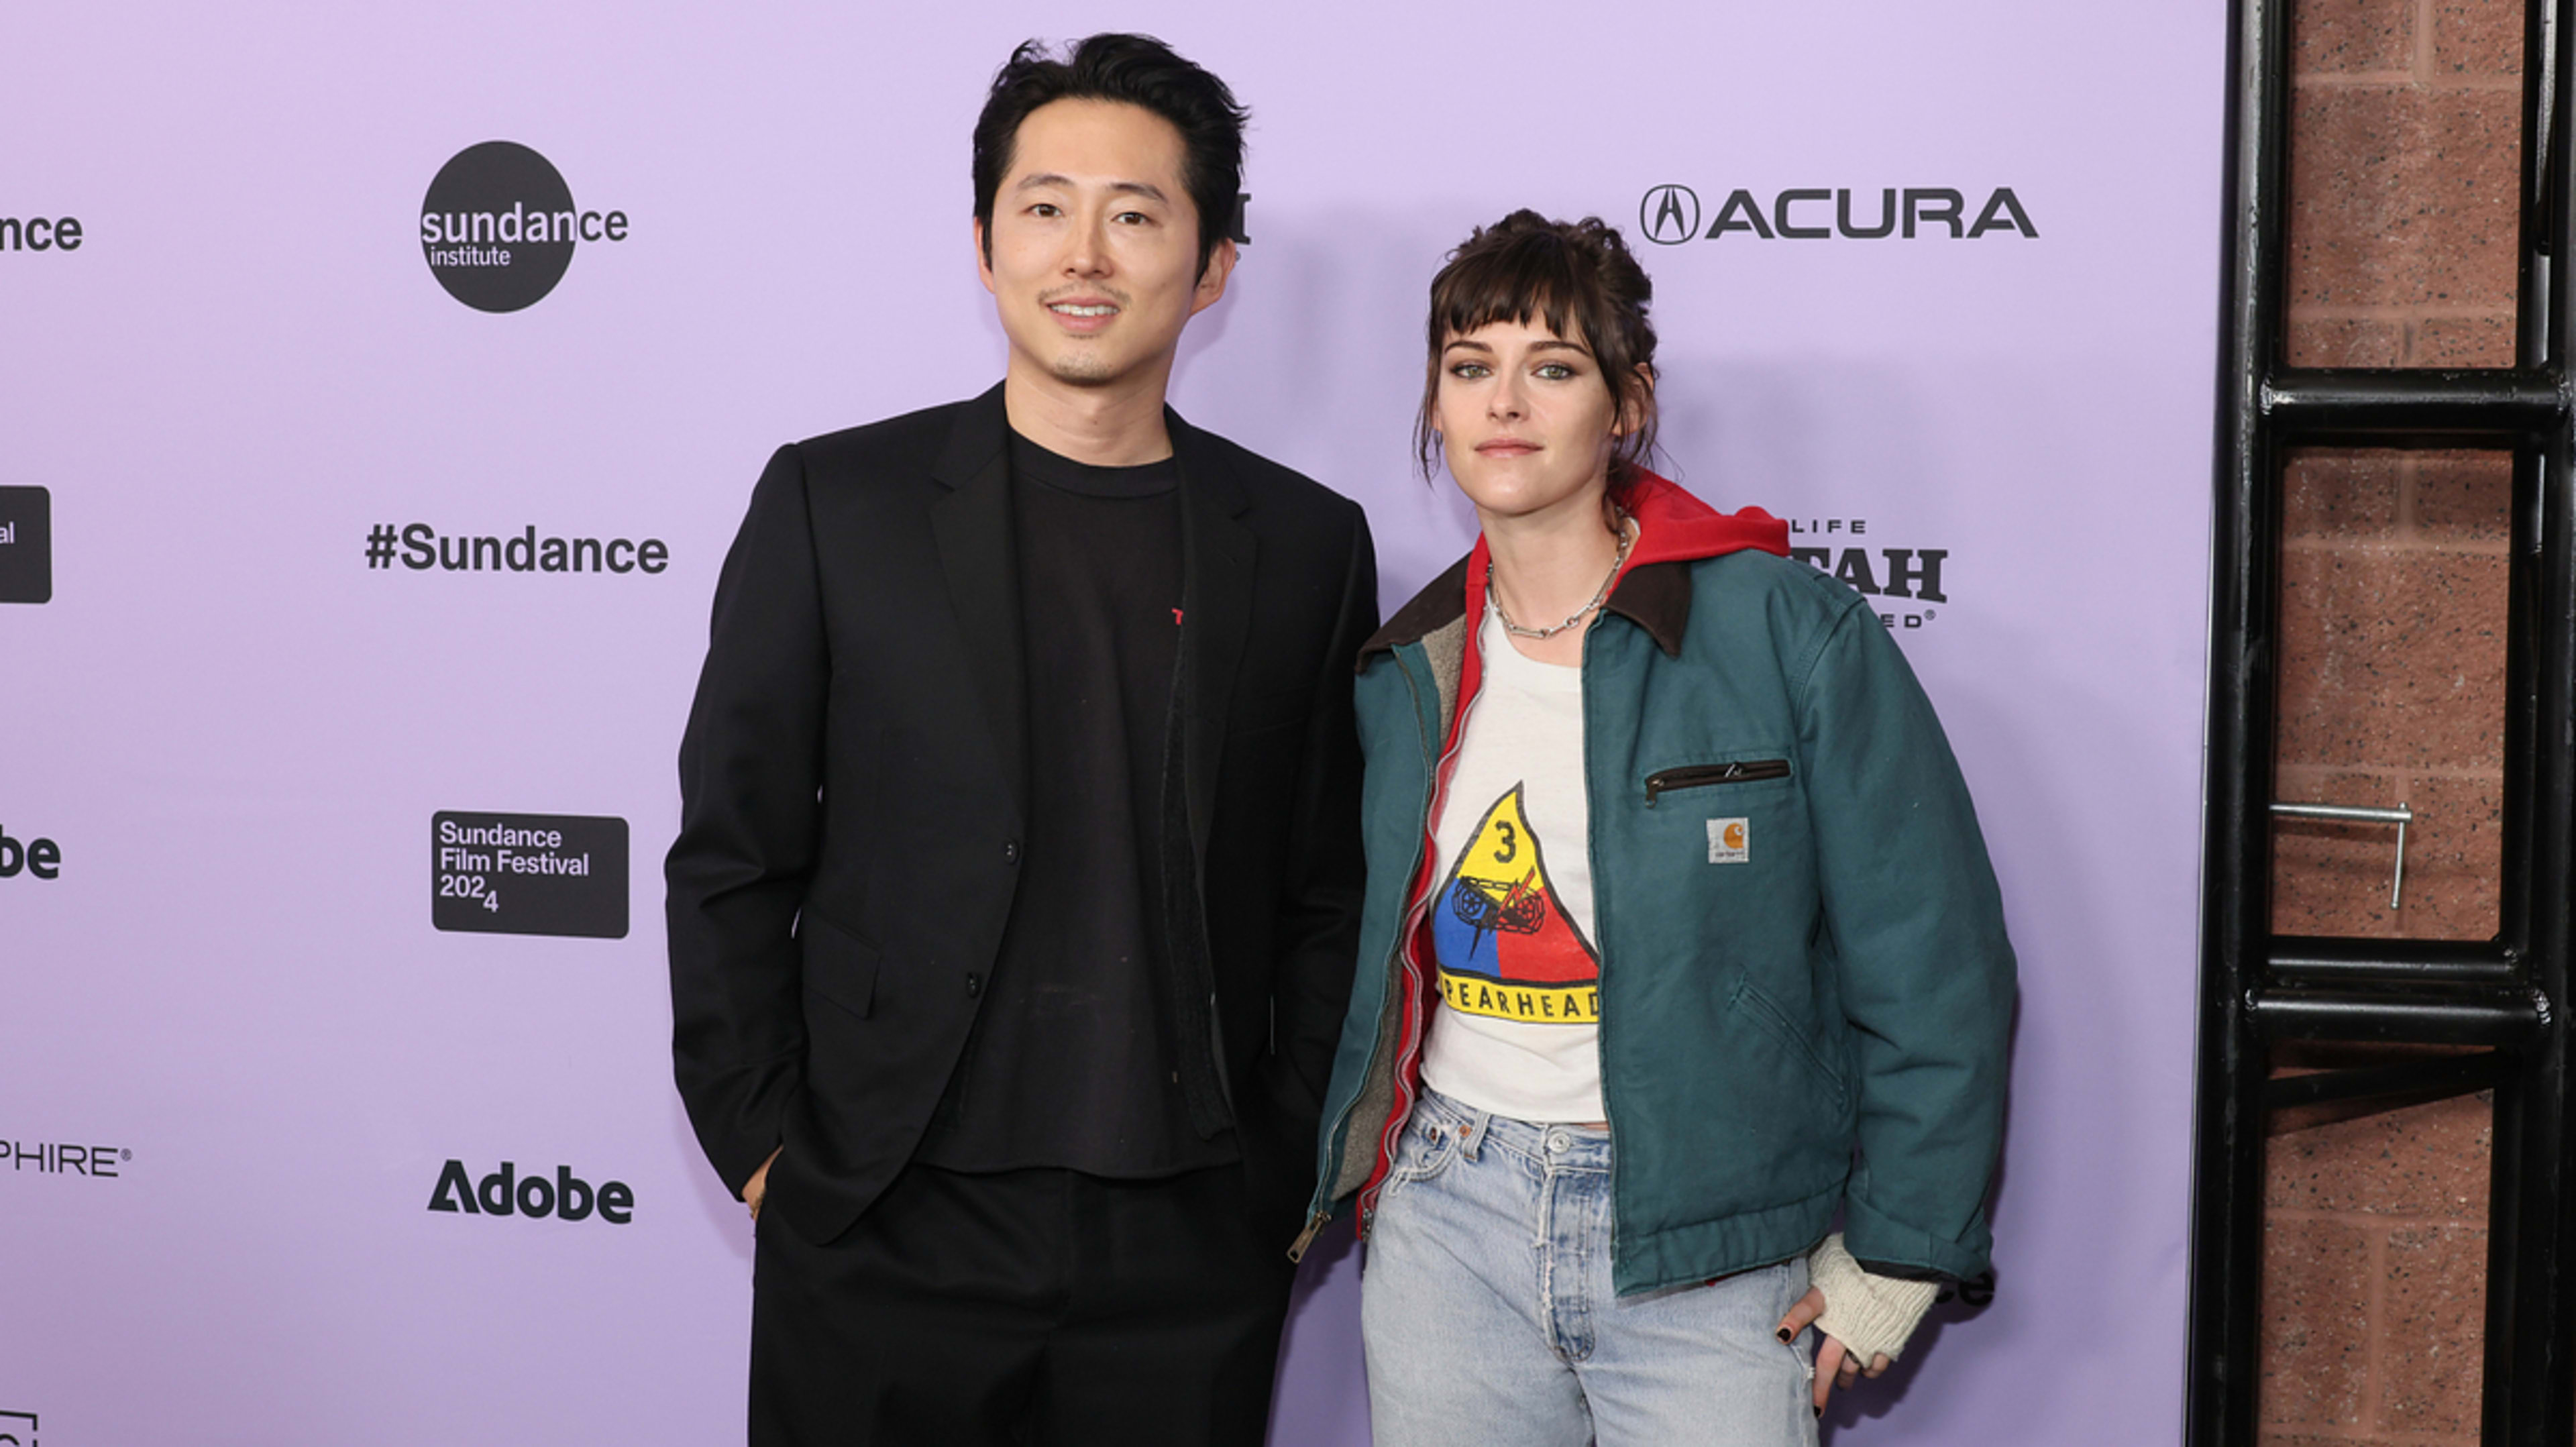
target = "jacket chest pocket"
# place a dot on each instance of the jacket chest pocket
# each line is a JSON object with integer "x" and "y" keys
{"x": 1743, "y": 816}
{"x": 1734, "y": 772}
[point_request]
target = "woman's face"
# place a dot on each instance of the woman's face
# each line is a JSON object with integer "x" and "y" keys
{"x": 1526, "y": 421}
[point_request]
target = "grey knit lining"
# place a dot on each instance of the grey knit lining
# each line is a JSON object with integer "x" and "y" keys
{"x": 1445, "y": 649}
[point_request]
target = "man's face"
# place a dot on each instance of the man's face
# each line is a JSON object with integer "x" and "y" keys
{"x": 1095, "y": 244}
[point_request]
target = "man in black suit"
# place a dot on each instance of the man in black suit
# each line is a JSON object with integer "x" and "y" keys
{"x": 1018, "y": 873}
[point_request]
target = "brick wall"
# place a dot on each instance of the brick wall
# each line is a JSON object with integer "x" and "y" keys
{"x": 2405, "y": 135}
{"x": 2404, "y": 148}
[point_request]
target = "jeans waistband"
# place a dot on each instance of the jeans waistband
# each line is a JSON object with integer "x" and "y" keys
{"x": 1557, "y": 1146}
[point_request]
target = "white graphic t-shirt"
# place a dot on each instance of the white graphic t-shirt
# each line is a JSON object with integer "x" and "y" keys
{"x": 1511, "y": 918}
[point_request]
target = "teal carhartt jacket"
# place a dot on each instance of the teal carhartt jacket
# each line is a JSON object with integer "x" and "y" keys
{"x": 1805, "y": 986}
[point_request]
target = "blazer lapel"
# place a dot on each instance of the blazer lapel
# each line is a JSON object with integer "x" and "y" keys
{"x": 1218, "y": 554}
{"x": 979, "y": 555}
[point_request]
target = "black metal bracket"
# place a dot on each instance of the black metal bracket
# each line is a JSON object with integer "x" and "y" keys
{"x": 2416, "y": 1080}
{"x": 2259, "y": 990}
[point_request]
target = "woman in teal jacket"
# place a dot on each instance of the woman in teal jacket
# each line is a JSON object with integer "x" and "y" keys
{"x": 1666, "y": 849}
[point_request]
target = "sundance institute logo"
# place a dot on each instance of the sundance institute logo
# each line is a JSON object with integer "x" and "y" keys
{"x": 499, "y": 226}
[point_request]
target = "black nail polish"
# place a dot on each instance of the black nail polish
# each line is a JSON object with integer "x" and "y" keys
{"x": 1784, "y": 1334}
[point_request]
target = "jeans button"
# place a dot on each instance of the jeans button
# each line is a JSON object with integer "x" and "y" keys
{"x": 1558, "y": 1141}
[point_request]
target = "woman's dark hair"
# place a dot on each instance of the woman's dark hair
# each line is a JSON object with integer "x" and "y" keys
{"x": 1579, "y": 278}
{"x": 1137, "y": 70}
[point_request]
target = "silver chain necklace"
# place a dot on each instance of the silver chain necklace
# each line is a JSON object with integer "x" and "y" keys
{"x": 1626, "y": 541}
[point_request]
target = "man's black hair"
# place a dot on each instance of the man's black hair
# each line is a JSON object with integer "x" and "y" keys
{"x": 1137, "y": 70}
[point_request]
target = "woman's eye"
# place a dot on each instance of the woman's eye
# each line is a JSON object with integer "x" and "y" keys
{"x": 1555, "y": 371}
{"x": 1468, "y": 371}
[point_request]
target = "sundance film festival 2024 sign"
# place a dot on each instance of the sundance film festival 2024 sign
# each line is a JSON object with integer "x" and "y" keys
{"x": 528, "y": 874}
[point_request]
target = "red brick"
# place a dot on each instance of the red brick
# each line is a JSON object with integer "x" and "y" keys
{"x": 2340, "y": 37}
{"x": 2477, "y": 340}
{"x": 2473, "y": 38}
{"x": 2430, "y": 1357}
{"x": 2314, "y": 341}
{"x": 2403, "y": 196}
{"x": 2454, "y": 859}
{"x": 2316, "y": 1351}
{"x": 2392, "y": 658}
{"x": 2464, "y": 497}
{"x": 2340, "y": 493}
{"x": 2429, "y": 1160}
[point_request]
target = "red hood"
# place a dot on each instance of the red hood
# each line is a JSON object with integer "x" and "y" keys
{"x": 1672, "y": 526}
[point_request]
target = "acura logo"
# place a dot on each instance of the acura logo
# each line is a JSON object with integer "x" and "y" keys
{"x": 1669, "y": 214}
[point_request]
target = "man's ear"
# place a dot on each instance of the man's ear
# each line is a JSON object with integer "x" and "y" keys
{"x": 1220, "y": 265}
{"x": 983, "y": 256}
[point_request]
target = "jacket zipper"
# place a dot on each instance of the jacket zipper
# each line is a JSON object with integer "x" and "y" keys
{"x": 1602, "y": 889}
{"x": 1410, "y": 1038}
{"x": 1306, "y": 1238}
{"x": 1415, "y": 1009}
{"x": 1424, "y": 849}
{"x": 1700, "y": 776}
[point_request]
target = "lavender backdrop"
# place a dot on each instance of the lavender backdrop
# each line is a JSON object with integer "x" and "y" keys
{"x": 236, "y": 731}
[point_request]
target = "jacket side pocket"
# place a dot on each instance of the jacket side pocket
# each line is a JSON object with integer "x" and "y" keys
{"x": 1774, "y": 1021}
{"x": 840, "y": 967}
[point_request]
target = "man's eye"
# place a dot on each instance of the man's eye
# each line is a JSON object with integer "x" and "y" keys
{"x": 1134, "y": 218}
{"x": 1044, "y": 208}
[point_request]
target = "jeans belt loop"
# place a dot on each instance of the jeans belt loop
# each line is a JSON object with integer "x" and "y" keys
{"x": 1471, "y": 1136}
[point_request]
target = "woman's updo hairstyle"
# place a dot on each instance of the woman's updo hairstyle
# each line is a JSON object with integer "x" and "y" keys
{"x": 1576, "y": 276}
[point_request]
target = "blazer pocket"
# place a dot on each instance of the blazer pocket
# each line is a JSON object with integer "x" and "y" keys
{"x": 839, "y": 966}
{"x": 1276, "y": 709}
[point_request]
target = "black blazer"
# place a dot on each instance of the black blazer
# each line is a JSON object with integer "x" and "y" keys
{"x": 854, "y": 777}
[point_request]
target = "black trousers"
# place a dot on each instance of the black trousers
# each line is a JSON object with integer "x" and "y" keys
{"x": 1039, "y": 1307}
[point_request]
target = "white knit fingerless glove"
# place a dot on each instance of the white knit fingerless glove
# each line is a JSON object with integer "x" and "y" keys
{"x": 1866, "y": 1312}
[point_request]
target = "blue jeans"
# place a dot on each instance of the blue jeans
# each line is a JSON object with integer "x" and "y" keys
{"x": 1487, "y": 1309}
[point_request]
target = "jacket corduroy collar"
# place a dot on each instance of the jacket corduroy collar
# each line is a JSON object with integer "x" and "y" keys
{"x": 1654, "y": 596}
{"x": 1675, "y": 530}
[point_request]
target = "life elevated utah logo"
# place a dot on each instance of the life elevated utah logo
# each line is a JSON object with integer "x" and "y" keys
{"x": 1670, "y": 214}
{"x": 499, "y": 226}
{"x": 1844, "y": 548}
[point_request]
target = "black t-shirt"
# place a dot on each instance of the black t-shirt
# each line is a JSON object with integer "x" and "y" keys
{"x": 1072, "y": 1061}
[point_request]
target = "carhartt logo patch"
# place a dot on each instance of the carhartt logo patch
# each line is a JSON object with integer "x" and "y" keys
{"x": 1729, "y": 842}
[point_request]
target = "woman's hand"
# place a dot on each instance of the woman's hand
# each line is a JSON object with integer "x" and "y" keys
{"x": 1834, "y": 1366}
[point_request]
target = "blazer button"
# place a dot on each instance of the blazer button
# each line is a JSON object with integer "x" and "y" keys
{"x": 974, "y": 986}
{"x": 1011, "y": 852}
